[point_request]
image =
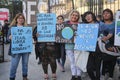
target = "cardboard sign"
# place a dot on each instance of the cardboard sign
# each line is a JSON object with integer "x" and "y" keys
{"x": 46, "y": 24}
{"x": 117, "y": 29}
{"x": 21, "y": 39}
{"x": 86, "y": 38}
{"x": 65, "y": 33}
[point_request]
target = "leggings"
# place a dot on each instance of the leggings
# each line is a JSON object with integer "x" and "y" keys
{"x": 48, "y": 57}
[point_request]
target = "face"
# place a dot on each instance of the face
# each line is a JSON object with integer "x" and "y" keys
{"x": 89, "y": 18}
{"x": 20, "y": 20}
{"x": 106, "y": 15}
{"x": 6, "y": 22}
{"x": 74, "y": 17}
{"x": 60, "y": 20}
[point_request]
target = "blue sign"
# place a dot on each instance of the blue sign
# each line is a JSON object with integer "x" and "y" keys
{"x": 46, "y": 24}
{"x": 21, "y": 39}
{"x": 86, "y": 38}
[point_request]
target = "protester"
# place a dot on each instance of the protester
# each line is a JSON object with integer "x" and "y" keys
{"x": 18, "y": 21}
{"x": 38, "y": 50}
{"x": 99, "y": 18}
{"x": 0, "y": 29}
{"x": 62, "y": 56}
{"x": 107, "y": 29}
{"x": 5, "y": 30}
{"x": 48, "y": 51}
{"x": 76, "y": 72}
{"x": 94, "y": 59}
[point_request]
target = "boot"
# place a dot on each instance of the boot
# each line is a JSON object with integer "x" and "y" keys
{"x": 73, "y": 78}
{"x": 12, "y": 78}
{"x": 25, "y": 78}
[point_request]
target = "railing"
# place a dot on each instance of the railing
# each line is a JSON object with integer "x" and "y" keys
{"x": 97, "y": 6}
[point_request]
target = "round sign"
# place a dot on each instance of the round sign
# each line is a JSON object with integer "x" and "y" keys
{"x": 67, "y": 33}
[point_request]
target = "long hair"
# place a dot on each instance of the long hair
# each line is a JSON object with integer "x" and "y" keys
{"x": 87, "y": 13}
{"x": 111, "y": 13}
{"x": 75, "y": 11}
{"x": 14, "y": 22}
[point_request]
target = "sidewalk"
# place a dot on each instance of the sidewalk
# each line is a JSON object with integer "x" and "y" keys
{"x": 36, "y": 72}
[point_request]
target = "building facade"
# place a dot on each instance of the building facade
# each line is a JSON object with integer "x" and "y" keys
{"x": 96, "y": 6}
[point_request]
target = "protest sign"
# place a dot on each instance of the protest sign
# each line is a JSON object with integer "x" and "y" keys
{"x": 117, "y": 29}
{"x": 21, "y": 39}
{"x": 86, "y": 38}
{"x": 46, "y": 24}
{"x": 65, "y": 33}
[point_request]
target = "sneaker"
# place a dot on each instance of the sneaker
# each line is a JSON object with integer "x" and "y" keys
{"x": 106, "y": 76}
{"x": 110, "y": 79}
{"x": 78, "y": 78}
{"x": 102, "y": 77}
{"x": 39, "y": 62}
{"x": 54, "y": 76}
{"x": 73, "y": 78}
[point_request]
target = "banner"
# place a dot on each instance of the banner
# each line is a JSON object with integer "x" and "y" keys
{"x": 65, "y": 33}
{"x": 46, "y": 24}
{"x": 21, "y": 39}
{"x": 86, "y": 38}
{"x": 3, "y": 16}
{"x": 117, "y": 29}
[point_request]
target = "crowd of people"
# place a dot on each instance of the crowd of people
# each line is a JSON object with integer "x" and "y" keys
{"x": 99, "y": 64}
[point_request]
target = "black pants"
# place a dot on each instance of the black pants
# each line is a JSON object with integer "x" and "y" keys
{"x": 93, "y": 66}
{"x": 108, "y": 65}
{"x": 49, "y": 57}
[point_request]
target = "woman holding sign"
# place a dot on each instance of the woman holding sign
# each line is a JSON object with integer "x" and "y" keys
{"x": 18, "y": 21}
{"x": 47, "y": 51}
{"x": 94, "y": 59}
{"x": 107, "y": 30}
{"x": 76, "y": 72}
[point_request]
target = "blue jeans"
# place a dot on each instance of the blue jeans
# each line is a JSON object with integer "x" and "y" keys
{"x": 14, "y": 64}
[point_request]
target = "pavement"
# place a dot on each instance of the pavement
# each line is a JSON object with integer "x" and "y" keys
{"x": 36, "y": 72}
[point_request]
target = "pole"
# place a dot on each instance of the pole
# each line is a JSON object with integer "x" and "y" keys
{"x": 73, "y": 6}
{"x": 48, "y": 6}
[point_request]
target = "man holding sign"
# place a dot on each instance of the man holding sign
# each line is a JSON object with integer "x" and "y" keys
{"x": 19, "y": 36}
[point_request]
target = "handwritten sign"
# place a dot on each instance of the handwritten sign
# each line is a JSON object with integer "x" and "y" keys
{"x": 21, "y": 39}
{"x": 46, "y": 24}
{"x": 86, "y": 37}
{"x": 117, "y": 29}
{"x": 65, "y": 33}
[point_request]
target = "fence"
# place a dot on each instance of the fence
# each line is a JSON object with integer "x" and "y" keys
{"x": 97, "y": 6}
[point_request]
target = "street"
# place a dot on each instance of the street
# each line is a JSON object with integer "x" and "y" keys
{"x": 35, "y": 71}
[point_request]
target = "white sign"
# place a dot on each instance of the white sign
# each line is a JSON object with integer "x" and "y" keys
{"x": 117, "y": 29}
